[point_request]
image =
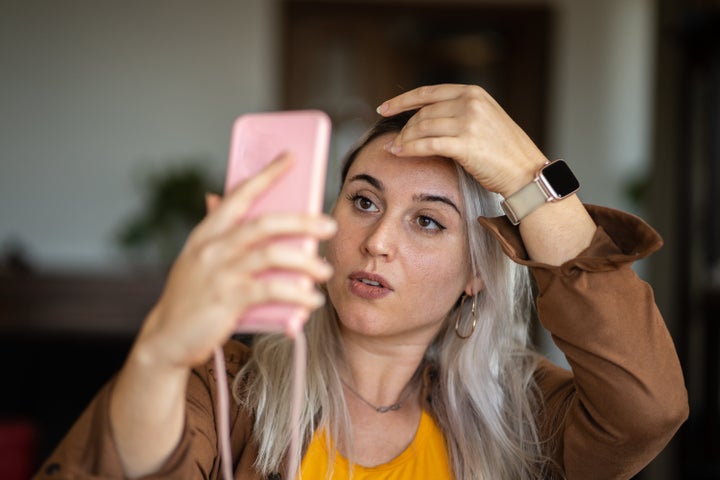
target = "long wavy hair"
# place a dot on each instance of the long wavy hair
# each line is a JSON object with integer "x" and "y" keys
{"x": 483, "y": 395}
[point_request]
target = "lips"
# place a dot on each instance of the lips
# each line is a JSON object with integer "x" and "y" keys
{"x": 369, "y": 285}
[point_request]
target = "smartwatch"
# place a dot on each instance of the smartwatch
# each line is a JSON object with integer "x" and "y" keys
{"x": 553, "y": 182}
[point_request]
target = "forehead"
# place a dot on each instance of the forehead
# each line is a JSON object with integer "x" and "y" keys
{"x": 419, "y": 172}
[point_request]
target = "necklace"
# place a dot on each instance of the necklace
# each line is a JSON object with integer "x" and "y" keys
{"x": 382, "y": 408}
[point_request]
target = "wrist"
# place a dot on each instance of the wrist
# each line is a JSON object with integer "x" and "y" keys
{"x": 147, "y": 410}
{"x": 151, "y": 351}
{"x": 554, "y": 181}
{"x": 523, "y": 175}
{"x": 558, "y": 231}
{"x": 145, "y": 369}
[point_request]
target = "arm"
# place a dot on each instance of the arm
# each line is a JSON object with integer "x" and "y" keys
{"x": 464, "y": 123}
{"x": 197, "y": 312}
{"x": 89, "y": 449}
{"x": 626, "y": 396}
{"x": 213, "y": 280}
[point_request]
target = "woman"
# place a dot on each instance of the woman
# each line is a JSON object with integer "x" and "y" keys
{"x": 419, "y": 364}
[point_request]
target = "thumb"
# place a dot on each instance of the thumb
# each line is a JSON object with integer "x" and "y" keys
{"x": 212, "y": 200}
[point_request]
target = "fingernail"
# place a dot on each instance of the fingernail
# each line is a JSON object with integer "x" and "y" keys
{"x": 382, "y": 108}
{"x": 328, "y": 225}
{"x": 328, "y": 270}
{"x": 396, "y": 149}
{"x": 318, "y": 298}
{"x": 209, "y": 201}
{"x": 306, "y": 282}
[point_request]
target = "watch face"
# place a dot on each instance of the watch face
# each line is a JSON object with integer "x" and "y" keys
{"x": 560, "y": 179}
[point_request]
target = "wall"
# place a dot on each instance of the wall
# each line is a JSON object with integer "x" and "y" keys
{"x": 601, "y": 100}
{"x": 93, "y": 92}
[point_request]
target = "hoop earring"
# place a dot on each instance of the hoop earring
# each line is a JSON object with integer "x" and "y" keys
{"x": 457, "y": 318}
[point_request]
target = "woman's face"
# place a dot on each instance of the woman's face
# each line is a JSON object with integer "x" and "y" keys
{"x": 400, "y": 254}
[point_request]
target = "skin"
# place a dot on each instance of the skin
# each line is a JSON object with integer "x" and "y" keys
{"x": 197, "y": 311}
{"x": 465, "y": 123}
{"x": 396, "y": 229}
{"x": 199, "y": 305}
{"x": 392, "y": 223}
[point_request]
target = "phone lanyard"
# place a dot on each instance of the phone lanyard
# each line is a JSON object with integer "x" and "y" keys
{"x": 223, "y": 407}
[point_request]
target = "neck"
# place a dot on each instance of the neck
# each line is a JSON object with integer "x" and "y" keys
{"x": 380, "y": 370}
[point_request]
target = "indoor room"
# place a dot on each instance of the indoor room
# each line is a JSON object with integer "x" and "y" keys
{"x": 116, "y": 118}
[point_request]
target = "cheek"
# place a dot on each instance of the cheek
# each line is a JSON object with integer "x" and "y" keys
{"x": 335, "y": 244}
{"x": 346, "y": 239}
{"x": 335, "y": 247}
{"x": 435, "y": 294}
{"x": 443, "y": 273}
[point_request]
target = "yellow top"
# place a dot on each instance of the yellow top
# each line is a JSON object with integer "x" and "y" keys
{"x": 425, "y": 457}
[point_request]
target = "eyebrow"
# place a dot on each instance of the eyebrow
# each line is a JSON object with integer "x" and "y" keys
{"x": 437, "y": 198}
{"x": 369, "y": 179}
{"x": 363, "y": 177}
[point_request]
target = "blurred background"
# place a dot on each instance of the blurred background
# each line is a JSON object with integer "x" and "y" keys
{"x": 115, "y": 117}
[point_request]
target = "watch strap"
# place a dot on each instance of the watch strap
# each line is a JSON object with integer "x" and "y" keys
{"x": 521, "y": 203}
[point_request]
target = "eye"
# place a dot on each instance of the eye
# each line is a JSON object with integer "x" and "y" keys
{"x": 427, "y": 223}
{"x": 363, "y": 203}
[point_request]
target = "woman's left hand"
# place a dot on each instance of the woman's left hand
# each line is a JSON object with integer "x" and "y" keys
{"x": 465, "y": 123}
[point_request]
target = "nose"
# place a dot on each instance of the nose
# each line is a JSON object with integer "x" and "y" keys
{"x": 381, "y": 239}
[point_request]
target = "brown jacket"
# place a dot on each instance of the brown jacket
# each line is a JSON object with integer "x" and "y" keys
{"x": 623, "y": 401}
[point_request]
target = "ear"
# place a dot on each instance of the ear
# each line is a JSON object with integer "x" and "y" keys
{"x": 475, "y": 285}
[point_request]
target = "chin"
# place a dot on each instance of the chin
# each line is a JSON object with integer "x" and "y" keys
{"x": 362, "y": 325}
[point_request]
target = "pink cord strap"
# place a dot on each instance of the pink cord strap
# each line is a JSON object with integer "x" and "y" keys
{"x": 223, "y": 408}
{"x": 222, "y": 414}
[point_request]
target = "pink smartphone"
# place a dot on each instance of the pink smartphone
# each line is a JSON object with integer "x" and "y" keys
{"x": 257, "y": 139}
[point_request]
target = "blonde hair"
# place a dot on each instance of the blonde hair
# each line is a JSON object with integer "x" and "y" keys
{"x": 483, "y": 394}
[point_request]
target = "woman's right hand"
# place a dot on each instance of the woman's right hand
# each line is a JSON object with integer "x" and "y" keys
{"x": 215, "y": 277}
{"x": 213, "y": 280}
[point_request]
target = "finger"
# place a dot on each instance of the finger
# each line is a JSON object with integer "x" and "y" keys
{"x": 239, "y": 200}
{"x": 283, "y": 290}
{"x": 450, "y": 108}
{"x": 259, "y": 233}
{"x": 212, "y": 200}
{"x": 419, "y": 97}
{"x": 428, "y": 128}
{"x": 449, "y": 147}
{"x": 270, "y": 227}
{"x": 284, "y": 257}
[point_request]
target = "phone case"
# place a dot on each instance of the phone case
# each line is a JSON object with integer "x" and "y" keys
{"x": 257, "y": 139}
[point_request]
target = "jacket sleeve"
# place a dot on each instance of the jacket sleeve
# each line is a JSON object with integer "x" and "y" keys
{"x": 625, "y": 397}
{"x": 88, "y": 450}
